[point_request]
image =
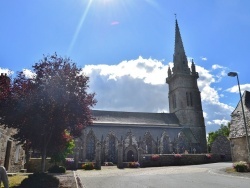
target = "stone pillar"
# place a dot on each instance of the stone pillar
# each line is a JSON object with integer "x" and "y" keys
{"x": 120, "y": 156}
{"x": 98, "y": 156}
{"x": 140, "y": 152}
{"x": 76, "y": 158}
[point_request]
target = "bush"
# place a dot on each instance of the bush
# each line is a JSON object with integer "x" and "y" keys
{"x": 39, "y": 180}
{"x": 88, "y": 166}
{"x": 241, "y": 166}
{"x": 57, "y": 169}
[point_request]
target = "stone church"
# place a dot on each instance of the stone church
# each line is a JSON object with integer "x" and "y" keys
{"x": 181, "y": 130}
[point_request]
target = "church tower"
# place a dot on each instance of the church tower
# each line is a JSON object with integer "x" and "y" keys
{"x": 184, "y": 95}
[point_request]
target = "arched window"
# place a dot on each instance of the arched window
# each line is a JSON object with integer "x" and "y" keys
{"x": 189, "y": 99}
{"x": 165, "y": 145}
{"x": 112, "y": 149}
{"x": 90, "y": 155}
{"x": 174, "y": 101}
{"x": 148, "y": 143}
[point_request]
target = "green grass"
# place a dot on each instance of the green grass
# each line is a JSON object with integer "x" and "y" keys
{"x": 230, "y": 170}
{"x": 15, "y": 180}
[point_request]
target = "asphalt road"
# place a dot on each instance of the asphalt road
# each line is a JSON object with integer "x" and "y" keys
{"x": 195, "y": 176}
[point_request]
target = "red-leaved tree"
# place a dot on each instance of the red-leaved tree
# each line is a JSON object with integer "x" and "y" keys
{"x": 43, "y": 107}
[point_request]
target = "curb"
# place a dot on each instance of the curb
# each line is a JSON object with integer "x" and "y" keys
{"x": 78, "y": 181}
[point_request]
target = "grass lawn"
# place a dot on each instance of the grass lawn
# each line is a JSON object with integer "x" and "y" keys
{"x": 15, "y": 180}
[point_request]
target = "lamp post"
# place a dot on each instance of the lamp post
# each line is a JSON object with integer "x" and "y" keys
{"x": 233, "y": 74}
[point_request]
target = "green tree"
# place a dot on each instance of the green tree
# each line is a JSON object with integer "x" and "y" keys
{"x": 43, "y": 107}
{"x": 224, "y": 130}
{"x": 65, "y": 146}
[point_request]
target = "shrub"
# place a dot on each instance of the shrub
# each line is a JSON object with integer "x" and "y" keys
{"x": 88, "y": 166}
{"x": 133, "y": 165}
{"x": 57, "y": 169}
{"x": 241, "y": 166}
{"x": 155, "y": 157}
{"x": 39, "y": 180}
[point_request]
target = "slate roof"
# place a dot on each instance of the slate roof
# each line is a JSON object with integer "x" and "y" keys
{"x": 135, "y": 118}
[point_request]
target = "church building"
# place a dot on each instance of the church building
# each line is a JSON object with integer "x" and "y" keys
{"x": 182, "y": 130}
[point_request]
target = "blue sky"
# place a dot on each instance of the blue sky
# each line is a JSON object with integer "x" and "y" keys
{"x": 125, "y": 47}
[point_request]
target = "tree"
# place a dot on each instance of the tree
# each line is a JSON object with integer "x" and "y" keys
{"x": 65, "y": 145}
{"x": 222, "y": 131}
{"x": 43, "y": 107}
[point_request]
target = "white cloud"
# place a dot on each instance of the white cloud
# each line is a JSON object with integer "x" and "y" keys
{"x": 235, "y": 89}
{"x": 139, "y": 85}
{"x": 7, "y": 71}
{"x": 203, "y": 58}
{"x": 216, "y": 66}
{"x": 28, "y": 73}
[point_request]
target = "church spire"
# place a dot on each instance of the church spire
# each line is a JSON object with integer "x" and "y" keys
{"x": 180, "y": 58}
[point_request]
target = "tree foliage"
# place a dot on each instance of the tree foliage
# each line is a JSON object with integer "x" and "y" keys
{"x": 43, "y": 107}
{"x": 65, "y": 145}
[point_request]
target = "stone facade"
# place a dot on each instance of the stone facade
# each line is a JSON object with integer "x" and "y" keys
{"x": 221, "y": 145}
{"x": 237, "y": 129}
{"x": 180, "y": 131}
{"x": 12, "y": 155}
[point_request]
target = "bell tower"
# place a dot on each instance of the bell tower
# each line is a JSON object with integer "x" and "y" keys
{"x": 184, "y": 95}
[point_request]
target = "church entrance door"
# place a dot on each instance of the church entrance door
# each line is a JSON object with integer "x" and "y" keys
{"x": 130, "y": 156}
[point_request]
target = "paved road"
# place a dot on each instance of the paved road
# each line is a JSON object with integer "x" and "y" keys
{"x": 195, "y": 176}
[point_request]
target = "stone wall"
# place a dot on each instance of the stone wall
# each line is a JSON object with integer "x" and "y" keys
{"x": 239, "y": 149}
{"x": 177, "y": 159}
{"x": 34, "y": 165}
{"x": 11, "y": 154}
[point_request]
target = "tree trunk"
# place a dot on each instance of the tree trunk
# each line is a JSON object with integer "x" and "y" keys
{"x": 44, "y": 152}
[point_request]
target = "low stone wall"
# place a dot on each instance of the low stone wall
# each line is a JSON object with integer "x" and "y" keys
{"x": 177, "y": 159}
{"x": 34, "y": 165}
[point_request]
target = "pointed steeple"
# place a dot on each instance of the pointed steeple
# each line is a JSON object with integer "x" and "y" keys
{"x": 180, "y": 58}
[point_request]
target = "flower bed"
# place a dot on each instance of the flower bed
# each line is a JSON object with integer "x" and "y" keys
{"x": 241, "y": 166}
{"x": 208, "y": 156}
{"x": 88, "y": 166}
{"x": 133, "y": 165}
{"x": 155, "y": 157}
{"x": 177, "y": 156}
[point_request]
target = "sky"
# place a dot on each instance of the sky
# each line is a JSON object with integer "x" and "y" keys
{"x": 126, "y": 46}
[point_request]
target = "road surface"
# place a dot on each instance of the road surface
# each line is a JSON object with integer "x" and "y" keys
{"x": 194, "y": 176}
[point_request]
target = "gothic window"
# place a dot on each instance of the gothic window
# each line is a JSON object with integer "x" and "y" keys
{"x": 183, "y": 143}
{"x": 112, "y": 149}
{"x": 90, "y": 155}
{"x": 189, "y": 99}
{"x": 148, "y": 143}
{"x": 174, "y": 101}
{"x": 165, "y": 145}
